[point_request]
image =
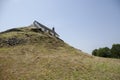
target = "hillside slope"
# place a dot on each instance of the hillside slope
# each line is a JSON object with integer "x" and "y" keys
{"x": 29, "y": 54}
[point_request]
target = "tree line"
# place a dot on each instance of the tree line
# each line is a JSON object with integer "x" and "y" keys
{"x": 114, "y": 52}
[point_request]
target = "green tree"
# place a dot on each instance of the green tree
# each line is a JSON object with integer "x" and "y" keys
{"x": 94, "y": 52}
{"x": 115, "y": 50}
{"x": 102, "y": 52}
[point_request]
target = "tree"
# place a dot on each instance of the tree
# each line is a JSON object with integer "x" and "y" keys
{"x": 115, "y": 50}
{"x": 102, "y": 52}
{"x": 94, "y": 52}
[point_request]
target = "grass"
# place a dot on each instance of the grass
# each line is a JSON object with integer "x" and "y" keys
{"x": 44, "y": 57}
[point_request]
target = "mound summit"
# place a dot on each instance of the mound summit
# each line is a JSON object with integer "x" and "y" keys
{"x": 35, "y": 33}
{"x": 36, "y": 52}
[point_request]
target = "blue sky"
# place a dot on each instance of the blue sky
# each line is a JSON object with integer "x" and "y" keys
{"x": 84, "y": 24}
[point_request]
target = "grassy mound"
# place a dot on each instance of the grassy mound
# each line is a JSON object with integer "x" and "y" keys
{"x": 40, "y": 56}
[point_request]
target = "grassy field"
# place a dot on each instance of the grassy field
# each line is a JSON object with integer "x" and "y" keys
{"x": 43, "y": 57}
